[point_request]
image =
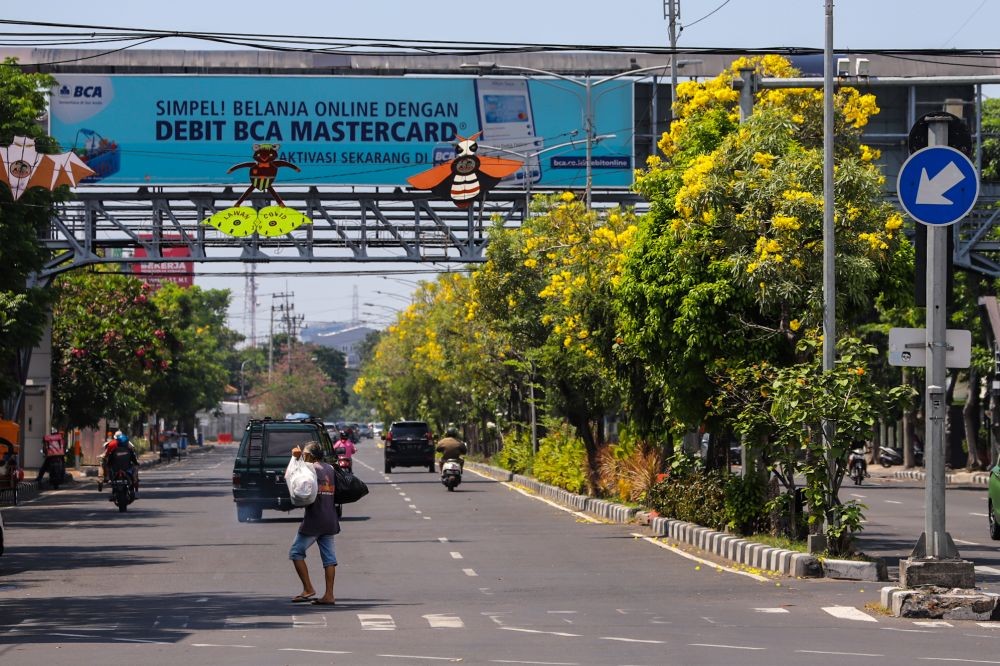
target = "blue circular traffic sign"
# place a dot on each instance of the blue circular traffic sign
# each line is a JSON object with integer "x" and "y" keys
{"x": 938, "y": 185}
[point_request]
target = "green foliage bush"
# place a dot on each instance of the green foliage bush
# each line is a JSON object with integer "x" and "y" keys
{"x": 562, "y": 460}
{"x": 516, "y": 454}
{"x": 714, "y": 500}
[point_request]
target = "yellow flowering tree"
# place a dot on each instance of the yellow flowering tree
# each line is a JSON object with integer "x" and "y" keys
{"x": 727, "y": 267}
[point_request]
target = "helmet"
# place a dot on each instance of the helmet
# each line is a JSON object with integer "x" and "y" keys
{"x": 121, "y": 437}
{"x": 452, "y": 431}
{"x": 342, "y": 434}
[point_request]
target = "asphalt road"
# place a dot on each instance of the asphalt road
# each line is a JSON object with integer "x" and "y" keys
{"x": 484, "y": 575}
{"x": 895, "y": 519}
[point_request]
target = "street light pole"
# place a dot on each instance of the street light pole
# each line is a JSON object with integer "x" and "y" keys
{"x": 587, "y": 84}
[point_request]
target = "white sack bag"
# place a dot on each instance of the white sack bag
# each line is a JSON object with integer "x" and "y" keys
{"x": 300, "y": 477}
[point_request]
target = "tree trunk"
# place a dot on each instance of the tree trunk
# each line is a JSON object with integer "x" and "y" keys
{"x": 970, "y": 415}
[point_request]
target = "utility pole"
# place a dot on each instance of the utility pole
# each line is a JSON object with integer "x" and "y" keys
{"x": 672, "y": 12}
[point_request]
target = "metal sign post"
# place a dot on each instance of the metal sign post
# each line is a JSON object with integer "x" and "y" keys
{"x": 937, "y": 186}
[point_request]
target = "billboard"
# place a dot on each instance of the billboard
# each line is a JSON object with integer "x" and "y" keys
{"x": 188, "y": 130}
{"x": 177, "y": 271}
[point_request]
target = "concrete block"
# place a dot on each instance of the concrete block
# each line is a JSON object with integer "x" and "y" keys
{"x": 944, "y": 604}
{"x": 855, "y": 569}
{"x": 939, "y": 573}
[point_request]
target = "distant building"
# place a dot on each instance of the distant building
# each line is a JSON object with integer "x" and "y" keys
{"x": 345, "y": 338}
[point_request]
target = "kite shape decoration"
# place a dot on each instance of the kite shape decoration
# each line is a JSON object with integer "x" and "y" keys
{"x": 271, "y": 221}
{"x": 22, "y": 167}
{"x": 467, "y": 177}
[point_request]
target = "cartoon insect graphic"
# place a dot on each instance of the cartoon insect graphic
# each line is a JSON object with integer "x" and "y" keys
{"x": 263, "y": 170}
{"x": 468, "y": 176}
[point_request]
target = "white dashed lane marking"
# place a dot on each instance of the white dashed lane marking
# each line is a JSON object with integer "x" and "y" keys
{"x": 444, "y": 621}
{"x": 849, "y": 613}
{"x": 371, "y": 622}
{"x": 455, "y": 555}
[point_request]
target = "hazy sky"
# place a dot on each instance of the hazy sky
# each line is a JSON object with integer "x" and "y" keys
{"x": 859, "y": 24}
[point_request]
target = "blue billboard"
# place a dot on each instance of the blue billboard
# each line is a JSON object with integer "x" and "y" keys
{"x": 189, "y": 130}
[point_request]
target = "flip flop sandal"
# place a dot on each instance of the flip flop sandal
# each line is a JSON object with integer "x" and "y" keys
{"x": 320, "y": 602}
{"x": 303, "y": 598}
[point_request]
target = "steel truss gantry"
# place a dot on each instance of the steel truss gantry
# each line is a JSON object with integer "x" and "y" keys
{"x": 346, "y": 227}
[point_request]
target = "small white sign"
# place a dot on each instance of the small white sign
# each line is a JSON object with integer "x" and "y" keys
{"x": 908, "y": 347}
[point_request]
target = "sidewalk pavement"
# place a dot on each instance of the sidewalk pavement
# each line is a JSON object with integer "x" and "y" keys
{"x": 30, "y": 488}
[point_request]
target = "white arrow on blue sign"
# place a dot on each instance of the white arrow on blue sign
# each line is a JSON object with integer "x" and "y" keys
{"x": 938, "y": 185}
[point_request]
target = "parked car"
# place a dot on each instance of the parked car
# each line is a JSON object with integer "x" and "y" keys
{"x": 378, "y": 429}
{"x": 259, "y": 470}
{"x": 993, "y": 503}
{"x": 365, "y": 430}
{"x": 409, "y": 444}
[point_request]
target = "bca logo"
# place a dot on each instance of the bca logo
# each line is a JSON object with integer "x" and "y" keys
{"x": 87, "y": 91}
{"x": 64, "y": 91}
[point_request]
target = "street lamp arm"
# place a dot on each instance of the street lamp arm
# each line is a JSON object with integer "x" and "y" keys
{"x": 493, "y": 65}
{"x": 630, "y": 73}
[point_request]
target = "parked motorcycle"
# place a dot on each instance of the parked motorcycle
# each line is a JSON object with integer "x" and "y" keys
{"x": 451, "y": 474}
{"x": 122, "y": 492}
{"x": 857, "y": 466}
{"x": 343, "y": 462}
{"x": 888, "y": 457}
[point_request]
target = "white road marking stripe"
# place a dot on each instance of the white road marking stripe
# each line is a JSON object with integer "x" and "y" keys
{"x": 470, "y": 572}
{"x": 455, "y": 555}
{"x": 689, "y": 556}
{"x": 413, "y": 506}
{"x": 989, "y": 570}
{"x": 312, "y": 621}
{"x": 540, "y": 663}
{"x": 727, "y": 647}
{"x": 137, "y": 640}
{"x": 417, "y": 656}
{"x": 909, "y": 631}
{"x": 376, "y": 622}
{"x": 857, "y": 495}
{"x": 965, "y": 543}
{"x": 578, "y": 514}
{"x": 562, "y": 611}
{"x": 964, "y": 661}
{"x": 849, "y": 613}
{"x": 539, "y": 631}
{"x": 73, "y": 524}
{"x": 771, "y": 610}
{"x": 443, "y": 539}
{"x": 980, "y": 515}
{"x": 417, "y": 511}
{"x": 316, "y": 651}
{"x": 629, "y": 640}
{"x": 405, "y": 498}
{"x": 932, "y": 623}
{"x": 892, "y": 502}
{"x": 71, "y": 635}
{"x": 427, "y": 517}
{"x": 444, "y": 621}
{"x": 842, "y": 654}
{"x": 989, "y": 625}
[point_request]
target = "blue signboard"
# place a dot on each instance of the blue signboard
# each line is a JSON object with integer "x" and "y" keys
{"x": 189, "y": 130}
{"x": 937, "y": 185}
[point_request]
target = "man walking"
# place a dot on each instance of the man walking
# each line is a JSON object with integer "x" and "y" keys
{"x": 319, "y": 525}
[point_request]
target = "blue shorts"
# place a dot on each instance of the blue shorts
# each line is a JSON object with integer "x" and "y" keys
{"x": 326, "y": 552}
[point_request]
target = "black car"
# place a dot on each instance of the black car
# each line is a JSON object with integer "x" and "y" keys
{"x": 409, "y": 444}
{"x": 259, "y": 471}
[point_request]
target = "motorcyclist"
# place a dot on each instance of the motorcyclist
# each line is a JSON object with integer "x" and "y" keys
{"x": 344, "y": 441}
{"x": 52, "y": 447}
{"x": 451, "y": 447}
{"x": 119, "y": 456}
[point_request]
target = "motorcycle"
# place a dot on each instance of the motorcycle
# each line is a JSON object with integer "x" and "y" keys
{"x": 888, "y": 457}
{"x": 451, "y": 474}
{"x": 343, "y": 462}
{"x": 857, "y": 465}
{"x": 122, "y": 492}
{"x": 56, "y": 466}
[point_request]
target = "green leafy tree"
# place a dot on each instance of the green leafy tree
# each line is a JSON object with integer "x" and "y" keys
{"x": 23, "y": 307}
{"x": 299, "y": 386}
{"x": 200, "y": 345}
{"x": 109, "y": 345}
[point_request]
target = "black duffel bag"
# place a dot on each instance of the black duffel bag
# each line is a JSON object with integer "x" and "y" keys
{"x": 347, "y": 487}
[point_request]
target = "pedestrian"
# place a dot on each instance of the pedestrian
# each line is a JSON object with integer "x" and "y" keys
{"x": 319, "y": 525}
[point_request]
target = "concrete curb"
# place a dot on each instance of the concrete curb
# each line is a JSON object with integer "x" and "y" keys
{"x": 728, "y": 546}
{"x": 972, "y": 478}
{"x": 937, "y": 603}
